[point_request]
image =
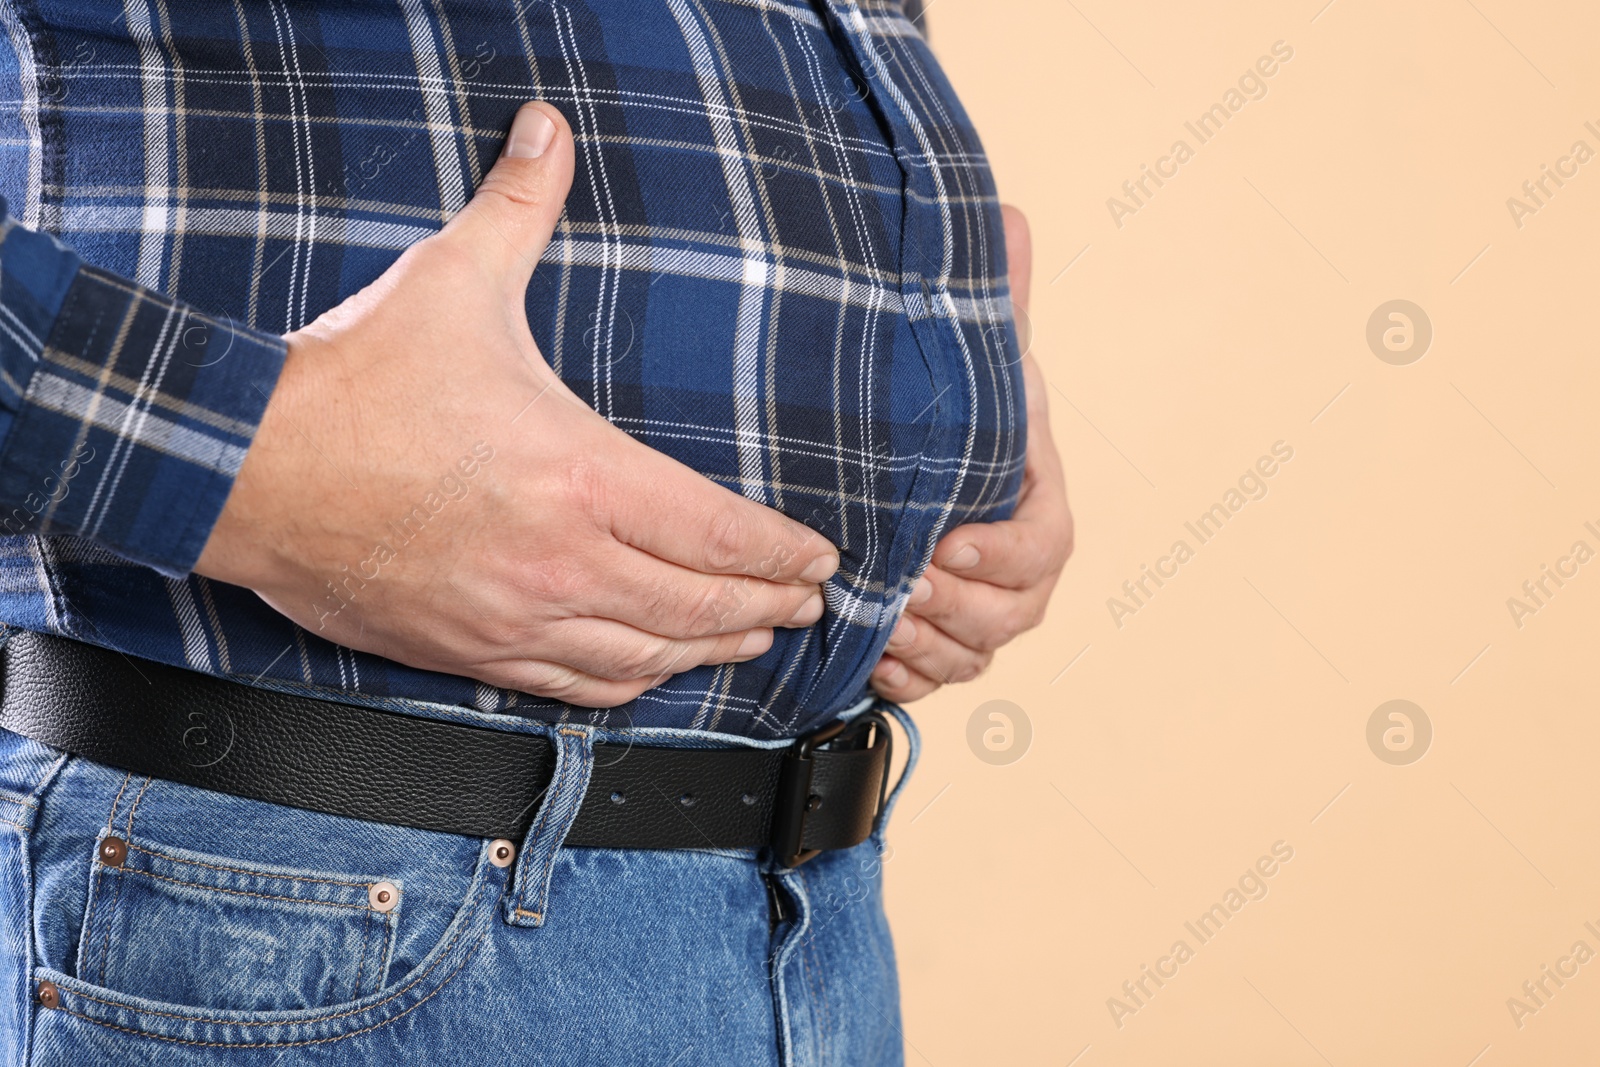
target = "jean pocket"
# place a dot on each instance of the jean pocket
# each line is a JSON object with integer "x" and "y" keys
{"x": 185, "y": 927}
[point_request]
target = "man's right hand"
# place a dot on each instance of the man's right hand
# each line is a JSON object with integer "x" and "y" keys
{"x": 574, "y": 563}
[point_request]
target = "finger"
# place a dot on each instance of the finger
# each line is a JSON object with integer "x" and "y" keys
{"x": 1019, "y": 253}
{"x": 922, "y": 645}
{"x": 615, "y": 652}
{"x": 979, "y": 614}
{"x": 1037, "y": 397}
{"x": 510, "y": 218}
{"x": 663, "y": 598}
{"x": 894, "y": 681}
{"x": 1034, "y": 544}
{"x": 1015, "y": 553}
{"x": 670, "y": 511}
{"x": 557, "y": 681}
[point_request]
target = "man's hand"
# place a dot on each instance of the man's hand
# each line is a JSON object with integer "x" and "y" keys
{"x": 989, "y": 581}
{"x": 425, "y": 488}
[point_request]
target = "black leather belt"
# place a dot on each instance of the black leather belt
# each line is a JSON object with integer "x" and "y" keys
{"x": 824, "y": 792}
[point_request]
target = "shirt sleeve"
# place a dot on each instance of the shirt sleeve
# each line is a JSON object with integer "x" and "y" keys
{"x": 124, "y": 415}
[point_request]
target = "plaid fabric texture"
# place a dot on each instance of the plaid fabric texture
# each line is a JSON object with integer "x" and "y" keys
{"x": 129, "y": 422}
{"x": 781, "y": 263}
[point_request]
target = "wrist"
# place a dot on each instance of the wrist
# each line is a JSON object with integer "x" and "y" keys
{"x": 246, "y": 545}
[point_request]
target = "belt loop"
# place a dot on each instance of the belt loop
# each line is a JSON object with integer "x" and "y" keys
{"x": 574, "y": 745}
{"x": 913, "y": 750}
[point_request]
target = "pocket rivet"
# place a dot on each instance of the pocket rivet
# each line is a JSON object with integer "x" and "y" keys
{"x": 502, "y": 852}
{"x": 383, "y": 896}
{"x": 113, "y": 851}
{"x": 49, "y": 995}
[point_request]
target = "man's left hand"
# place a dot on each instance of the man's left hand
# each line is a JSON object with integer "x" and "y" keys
{"x": 989, "y": 581}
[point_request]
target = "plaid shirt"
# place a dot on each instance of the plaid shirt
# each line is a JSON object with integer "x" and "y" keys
{"x": 781, "y": 263}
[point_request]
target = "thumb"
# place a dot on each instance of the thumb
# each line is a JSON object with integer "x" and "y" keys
{"x": 510, "y": 218}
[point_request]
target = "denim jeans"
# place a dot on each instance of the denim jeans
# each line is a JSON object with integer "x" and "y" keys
{"x": 219, "y": 930}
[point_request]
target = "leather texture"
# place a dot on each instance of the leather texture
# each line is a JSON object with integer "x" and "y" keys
{"x": 382, "y": 766}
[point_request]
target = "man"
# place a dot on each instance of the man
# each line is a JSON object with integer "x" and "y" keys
{"x": 322, "y": 556}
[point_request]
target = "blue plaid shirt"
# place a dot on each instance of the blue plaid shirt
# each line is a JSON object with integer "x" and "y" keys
{"x": 781, "y": 263}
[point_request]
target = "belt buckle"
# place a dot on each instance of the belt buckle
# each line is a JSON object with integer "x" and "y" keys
{"x": 795, "y": 800}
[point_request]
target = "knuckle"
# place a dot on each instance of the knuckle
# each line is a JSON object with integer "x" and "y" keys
{"x": 651, "y": 657}
{"x": 505, "y": 184}
{"x": 725, "y": 535}
{"x": 585, "y": 486}
{"x": 991, "y": 640}
{"x": 1007, "y": 628}
{"x": 538, "y": 677}
{"x": 973, "y": 666}
{"x": 1055, "y": 560}
{"x": 884, "y": 685}
{"x": 552, "y": 580}
{"x": 657, "y": 608}
{"x": 940, "y": 607}
{"x": 715, "y": 608}
{"x": 632, "y": 662}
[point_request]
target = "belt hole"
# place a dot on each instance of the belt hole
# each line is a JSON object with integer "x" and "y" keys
{"x": 618, "y": 798}
{"x": 748, "y": 799}
{"x": 687, "y": 800}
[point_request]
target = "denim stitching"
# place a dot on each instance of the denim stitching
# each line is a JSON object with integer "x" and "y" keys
{"x": 245, "y": 871}
{"x": 811, "y": 988}
{"x": 128, "y": 826}
{"x": 539, "y": 886}
{"x": 812, "y": 982}
{"x": 361, "y": 958}
{"x": 111, "y": 820}
{"x": 525, "y": 890}
{"x": 387, "y": 929}
{"x": 284, "y": 1044}
{"x": 472, "y": 902}
{"x": 390, "y": 926}
{"x": 111, "y": 825}
{"x": 238, "y": 892}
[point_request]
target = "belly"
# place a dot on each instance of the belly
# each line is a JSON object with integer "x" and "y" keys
{"x": 781, "y": 261}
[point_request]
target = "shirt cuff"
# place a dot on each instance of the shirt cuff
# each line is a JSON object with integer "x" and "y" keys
{"x": 128, "y": 422}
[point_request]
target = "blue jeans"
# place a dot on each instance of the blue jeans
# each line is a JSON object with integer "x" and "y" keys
{"x": 230, "y": 931}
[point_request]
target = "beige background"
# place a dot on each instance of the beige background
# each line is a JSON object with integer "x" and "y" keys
{"x": 1230, "y": 712}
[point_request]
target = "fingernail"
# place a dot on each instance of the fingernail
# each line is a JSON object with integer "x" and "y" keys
{"x": 820, "y": 570}
{"x": 920, "y": 592}
{"x": 905, "y": 632}
{"x": 531, "y": 134}
{"x": 809, "y": 612}
{"x": 964, "y": 559}
{"x": 755, "y": 642}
